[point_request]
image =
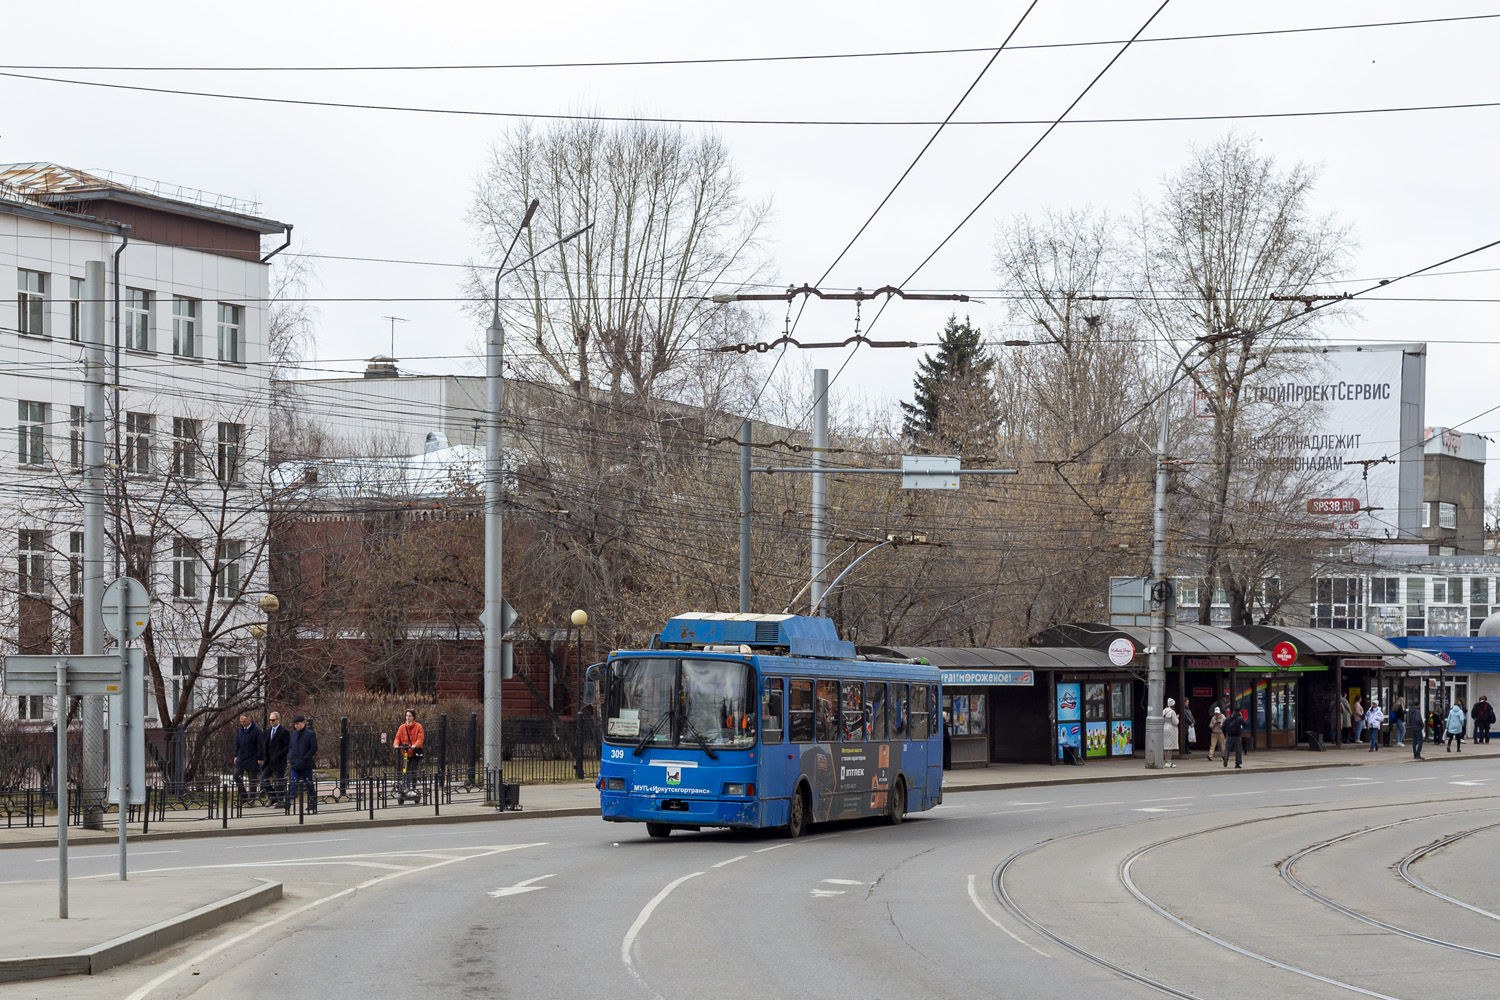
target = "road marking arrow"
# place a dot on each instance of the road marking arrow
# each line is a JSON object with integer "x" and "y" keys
{"x": 520, "y": 887}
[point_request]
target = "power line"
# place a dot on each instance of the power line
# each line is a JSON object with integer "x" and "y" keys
{"x": 730, "y": 60}
{"x": 786, "y": 122}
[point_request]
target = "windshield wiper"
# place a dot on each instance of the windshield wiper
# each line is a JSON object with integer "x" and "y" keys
{"x": 650, "y": 733}
{"x": 692, "y": 731}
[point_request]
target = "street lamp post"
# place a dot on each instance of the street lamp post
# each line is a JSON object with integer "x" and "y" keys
{"x": 580, "y": 619}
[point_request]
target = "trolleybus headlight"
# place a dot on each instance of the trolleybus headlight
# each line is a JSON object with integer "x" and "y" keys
{"x": 614, "y": 784}
{"x": 734, "y": 789}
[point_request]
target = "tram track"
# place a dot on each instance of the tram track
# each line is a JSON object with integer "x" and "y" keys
{"x": 1403, "y": 869}
{"x": 1285, "y": 868}
{"x": 1002, "y": 894}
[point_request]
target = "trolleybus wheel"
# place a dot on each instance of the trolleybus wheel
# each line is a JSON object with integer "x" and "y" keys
{"x": 898, "y": 803}
{"x": 796, "y": 824}
{"x": 658, "y": 830}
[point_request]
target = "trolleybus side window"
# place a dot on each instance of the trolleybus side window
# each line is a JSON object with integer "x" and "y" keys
{"x": 899, "y": 713}
{"x": 875, "y": 710}
{"x": 825, "y": 719}
{"x": 770, "y": 712}
{"x": 919, "y": 712}
{"x": 800, "y": 711}
{"x": 853, "y": 717}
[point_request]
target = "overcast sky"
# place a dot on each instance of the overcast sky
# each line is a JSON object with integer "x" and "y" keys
{"x": 1416, "y": 186}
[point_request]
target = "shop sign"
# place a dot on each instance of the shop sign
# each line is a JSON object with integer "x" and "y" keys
{"x": 1121, "y": 652}
{"x": 1201, "y": 692}
{"x": 1198, "y": 663}
{"x": 1069, "y": 697}
{"x": 1363, "y": 663}
{"x": 1284, "y": 654}
{"x": 996, "y": 678}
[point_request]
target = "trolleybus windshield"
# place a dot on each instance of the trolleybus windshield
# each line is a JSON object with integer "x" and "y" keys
{"x": 667, "y": 702}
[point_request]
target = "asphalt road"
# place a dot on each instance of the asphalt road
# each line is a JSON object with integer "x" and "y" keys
{"x": 1376, "y": 883}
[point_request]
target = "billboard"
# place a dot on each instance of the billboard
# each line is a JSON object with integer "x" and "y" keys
{"x": 1364, "y": 429}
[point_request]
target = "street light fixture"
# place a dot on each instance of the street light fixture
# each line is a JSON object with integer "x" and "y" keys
{"x": 580, "y": 618}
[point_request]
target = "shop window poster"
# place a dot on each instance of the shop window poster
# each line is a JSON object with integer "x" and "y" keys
{"x": 1069, "y": 734}
{"x": 1120, "y": 744}
{"x": 1097, "y": 736}
{"x": 960, "y": 715}
{"x": 1068, "y": 698}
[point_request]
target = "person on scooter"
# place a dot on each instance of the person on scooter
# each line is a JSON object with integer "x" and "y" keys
{"x": 408, "y": 743}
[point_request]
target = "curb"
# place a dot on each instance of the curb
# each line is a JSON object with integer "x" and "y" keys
{"x": 129, "y": 947}
{"x": 90, "y": 839}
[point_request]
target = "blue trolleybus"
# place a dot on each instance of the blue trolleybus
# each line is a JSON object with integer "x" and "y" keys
{"x": 748, "y": 721}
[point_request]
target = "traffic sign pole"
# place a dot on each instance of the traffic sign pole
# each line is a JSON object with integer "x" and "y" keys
{"x": 62, "y": 788}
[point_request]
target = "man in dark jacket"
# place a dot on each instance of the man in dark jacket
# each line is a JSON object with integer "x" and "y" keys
{"x": 1484, "y": 718}
{"x": 249, "y": 756}
{"x": 273, "y": 771}
{"x": 1234, "y": 728}
{"x": 302, "y": 751}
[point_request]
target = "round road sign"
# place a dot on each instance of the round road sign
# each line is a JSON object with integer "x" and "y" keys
{"x": 1284, "y": 653}
{"x": 137, "y": 608}
{"x": 1121, "y": 652}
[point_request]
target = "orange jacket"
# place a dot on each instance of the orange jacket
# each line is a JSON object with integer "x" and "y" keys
{"x": 409, "y": 735}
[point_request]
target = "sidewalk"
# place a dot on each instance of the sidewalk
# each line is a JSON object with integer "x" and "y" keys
{"x": 106, "y": 926}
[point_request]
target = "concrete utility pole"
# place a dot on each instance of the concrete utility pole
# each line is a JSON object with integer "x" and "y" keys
{"x": 745, "y": 517}
{"x": 95, "y": 374}
{"x": 494, "y": 485}
{"x": 819, "y": 483}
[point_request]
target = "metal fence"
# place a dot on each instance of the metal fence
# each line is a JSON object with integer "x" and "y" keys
{"x": 189, "y": 771}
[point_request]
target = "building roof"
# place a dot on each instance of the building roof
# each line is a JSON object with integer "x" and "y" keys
{"x": 52, "y": 185}
{"x": 1182, "y": 640}
{"x": 1419, "y": 659}
{"x": 1001, "y": 657}
{"x": 1469, "y": 654}
{"x": 1321, "y": 642}
{"x": 433, "y": 474}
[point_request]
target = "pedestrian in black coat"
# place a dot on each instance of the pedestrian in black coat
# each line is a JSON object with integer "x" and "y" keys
{"x": 249, "y": 755}
{"x": 302, "y": 752}
{"x": 273, "y": 771}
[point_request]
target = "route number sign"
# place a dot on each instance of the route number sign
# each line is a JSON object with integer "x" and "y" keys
{"x": 1284, "y": 653}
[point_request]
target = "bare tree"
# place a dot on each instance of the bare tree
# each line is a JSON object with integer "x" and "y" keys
{"x": 1227, "y": 256}
{"x": 624, "y": 307}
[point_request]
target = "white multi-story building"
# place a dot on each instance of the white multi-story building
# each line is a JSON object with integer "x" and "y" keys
{"x": 185, "y": 326}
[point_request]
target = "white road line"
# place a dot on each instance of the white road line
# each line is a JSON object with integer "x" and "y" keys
{"x": 1014, "y": 812}
{"x": 773, "y": 847}
{"x": 731, "y": 861}
{"x": 1159, "y": 809}
{"x": 828, "y": 892}
{"x": 1225, "y": 795}
{"x": 95, "y": 857}
{"x": 1169, "y": 798}
{"x": 640, "y": 922}
{"x": 281, "y": 843}
{"x": 331, "y": 859}
{"x": 1047, "y": 803}
{"x": 1305, "y": 788}
{"x": 522, "y": 886}
{"x": 1361, "y": 784}
{"x": 206, "y": 954}
{"x": 1094, "y": 805}
{"x": 988, "y": 916}
{"x": 1425, "y": 777}
{"x": 841, "y": 881}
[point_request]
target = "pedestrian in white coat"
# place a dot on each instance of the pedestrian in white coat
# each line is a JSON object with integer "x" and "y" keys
{"x": 1169, "y": 731}
{"x": 1373, "y": 718}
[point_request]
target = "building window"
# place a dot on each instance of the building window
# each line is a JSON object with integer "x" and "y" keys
{"x": 138, "y": 558}
{"x": 185, "y": 437}
{"x": 230, "y": 437}
{"x": 30, "y": 708}
{"x": 137, "y": 319}
{"x": 75, "y": 308}
{"x": 75, "y": 437}
{"x": 31, "y": 562}
{"x": 1385, "y": 590}
{"x": 1439, "y": 590}
{"x": 182, "y": 682}
{"x": 138, "y": 443}
{"x": 1340, "y": 603}
{"x": 231, "y": 679}
{"x": 231, "y": 326}
{"x": 185, "y": 568}
{"x": 184, "y": 327}
{"x": 1447, "y": 515}
{"x": 31, "y": 303}
{"x": 230, "y": 570}
{"x": 1416, "y": 605}
{"x": 75, "y": 564}
{"x": 31, "y": 433}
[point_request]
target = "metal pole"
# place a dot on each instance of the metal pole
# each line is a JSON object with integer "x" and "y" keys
{"x": 95, "y": 374}
{"x": 62, "y": 789}
{"x": 819, "y": 483}
{"x": 1156, "y": 657}
{"x": 578, "y": 706}
{"x": 745, "y": 517}
{"x": 494, "y": 483}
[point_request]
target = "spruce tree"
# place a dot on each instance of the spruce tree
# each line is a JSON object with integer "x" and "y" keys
{"x": 953, "y": 393}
